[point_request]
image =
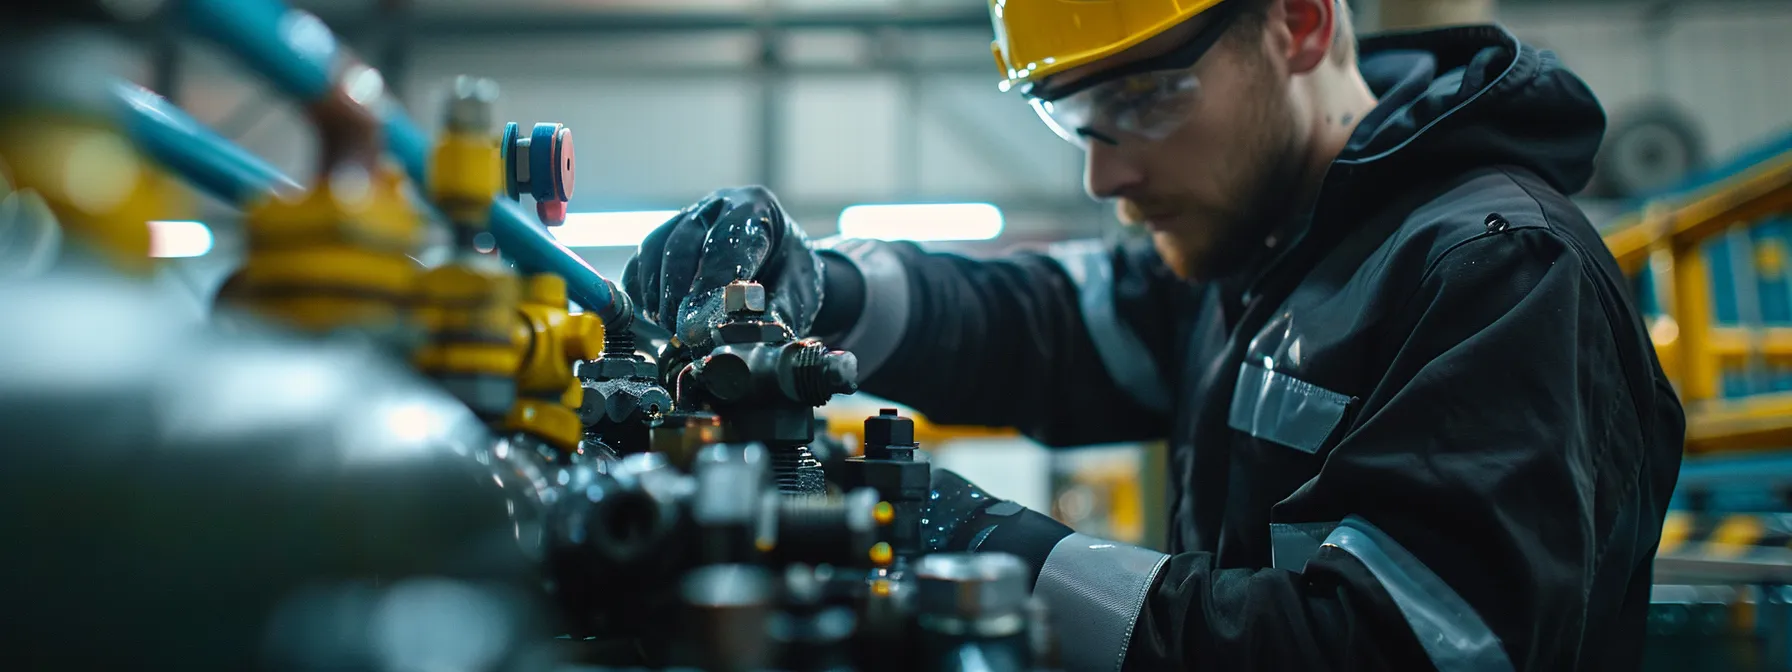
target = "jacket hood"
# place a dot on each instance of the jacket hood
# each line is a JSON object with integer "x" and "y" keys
{"x": 1458, "y": 98}
{"x": 1451, "y": 100}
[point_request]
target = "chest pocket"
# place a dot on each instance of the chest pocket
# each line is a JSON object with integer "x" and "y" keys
{"x": 1273, "y": 406}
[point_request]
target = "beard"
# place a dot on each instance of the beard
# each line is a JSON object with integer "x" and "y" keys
{"x": 1220, "y": 234}
{"x": 1208, "y": 242}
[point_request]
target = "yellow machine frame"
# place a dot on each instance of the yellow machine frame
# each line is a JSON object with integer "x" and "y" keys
{"x": 1664, "y": 240}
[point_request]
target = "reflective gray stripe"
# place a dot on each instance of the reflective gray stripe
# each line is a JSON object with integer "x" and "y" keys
{"x": 1089, "y": 266}
{"x": 1292, "y": 545}
{"x": 1452, "y": 633}
{"x": 884, "y": 317}
{"x": 1275, "y": 406}
{"x": 1095, "y": 589}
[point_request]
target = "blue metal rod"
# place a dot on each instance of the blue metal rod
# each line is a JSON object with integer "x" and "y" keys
{"x": 407, "y": 143}
{"x": 293, "y": 49}
{"x": 207, "y": 160}
{"x": 532, "y": 248}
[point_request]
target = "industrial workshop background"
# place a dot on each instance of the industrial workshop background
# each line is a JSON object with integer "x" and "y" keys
{"x": 843, "y": 105}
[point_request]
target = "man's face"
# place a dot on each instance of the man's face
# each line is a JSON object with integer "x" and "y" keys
{"x": 1206, "y": 186}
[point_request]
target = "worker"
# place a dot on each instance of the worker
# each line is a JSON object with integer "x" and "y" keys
{"x": 1414, "y": 418}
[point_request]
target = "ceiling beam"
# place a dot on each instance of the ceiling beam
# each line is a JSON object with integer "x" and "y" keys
{"x": 534, "y": 25}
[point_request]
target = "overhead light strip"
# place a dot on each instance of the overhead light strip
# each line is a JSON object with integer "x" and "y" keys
{"x": 922, "y": 221}
{"x": 178, "y": 239}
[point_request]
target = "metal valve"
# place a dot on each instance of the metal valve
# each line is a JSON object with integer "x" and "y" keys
{"x": 765, "y": 384}
{"x": 540, "y": 164}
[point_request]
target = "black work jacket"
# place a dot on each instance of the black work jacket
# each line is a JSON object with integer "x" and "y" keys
{"x": 1447, "y": 363}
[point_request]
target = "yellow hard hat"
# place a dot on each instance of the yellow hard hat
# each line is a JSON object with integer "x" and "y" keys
{"x": 1036, "y": 38}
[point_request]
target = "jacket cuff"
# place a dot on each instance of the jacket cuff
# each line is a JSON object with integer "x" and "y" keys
{"x": 882, "y": 317}
{"x": 1096, "y": 589}
{"x": 1006, "y": 527}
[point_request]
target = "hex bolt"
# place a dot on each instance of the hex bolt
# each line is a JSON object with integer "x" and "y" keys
{"x": 888, "y": 435}
{"x": 743, "y": 296}
{"x": 470, "y": 106}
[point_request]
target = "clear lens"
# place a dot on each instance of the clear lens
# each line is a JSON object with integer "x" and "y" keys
{"x": 1059, "y": 117}
{"x": 1149, "y": 106}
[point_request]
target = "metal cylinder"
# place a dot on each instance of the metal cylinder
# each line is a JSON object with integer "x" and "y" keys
{"x": 633, "y": 510}
{"x": 973, "y": 607}
{"x": 732, "y": 506}
{"x": 827, "y": 530}
{"x": 230, "y": 485}
{"x": 812, "y": 632}
{"x": 984, "y": 593}
{"x": 681, "y": 435}
{"x": 727, "y": 607}
{"x": 891, "y": 467}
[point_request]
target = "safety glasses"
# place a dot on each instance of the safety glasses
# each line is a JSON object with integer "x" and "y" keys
{"x": 1147, "y": 99}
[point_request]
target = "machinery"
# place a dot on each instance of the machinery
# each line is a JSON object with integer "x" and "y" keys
{"x": 1706, "y": 257}
{"x": 406, "y": 467}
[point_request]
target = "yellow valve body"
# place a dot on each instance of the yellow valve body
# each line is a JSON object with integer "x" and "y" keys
{"x": 551, "y": 421}
{"x": 465, "y": 172}
{"x": 551, "y": 338}
{"x": 469, "y": 314}
{"x": 100, "y": 189}
{"x": 338, "y": 256}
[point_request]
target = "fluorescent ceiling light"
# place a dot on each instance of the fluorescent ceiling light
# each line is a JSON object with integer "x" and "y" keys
{"x": 609, "y": 229}
{"x": 922, "y": 221}
{"x": 179, "y": 239}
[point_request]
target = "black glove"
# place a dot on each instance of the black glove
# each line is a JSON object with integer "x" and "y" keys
{"x": 676, "y": 278}
{"x": 962, "y": 517}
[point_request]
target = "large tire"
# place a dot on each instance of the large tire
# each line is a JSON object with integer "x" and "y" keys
{"x": 1647, "y": 147}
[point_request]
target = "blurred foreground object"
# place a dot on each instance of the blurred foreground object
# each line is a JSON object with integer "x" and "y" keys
{"x": 237, "y": 504}
{"x": 224, "y": 502}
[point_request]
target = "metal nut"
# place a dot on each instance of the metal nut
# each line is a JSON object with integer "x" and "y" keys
{"x": 470, "y": 105}
{"x": 620, "y": 402}
{"x": 743, "y": 296}
{"x": 614, "y": 368}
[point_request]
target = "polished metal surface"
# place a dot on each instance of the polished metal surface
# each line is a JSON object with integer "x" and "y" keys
{"x": 971, "y": 585}
{"x": 176, "y": 494}
{"x": 1762, "y": 566}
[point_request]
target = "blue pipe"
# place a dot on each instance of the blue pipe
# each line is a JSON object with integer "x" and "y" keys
{"x": 530, "y": 246}
{"x": 407, "y": 143}
{"x": 207, "y": 160}
{"x": 293, "y": 49}
{"x": 297, "y": 53}
{"x": 232, "y": 174}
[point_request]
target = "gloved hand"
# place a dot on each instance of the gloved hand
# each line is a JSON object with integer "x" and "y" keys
{"x": 676, "y": 278}
{"x": 962, "y": 517}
